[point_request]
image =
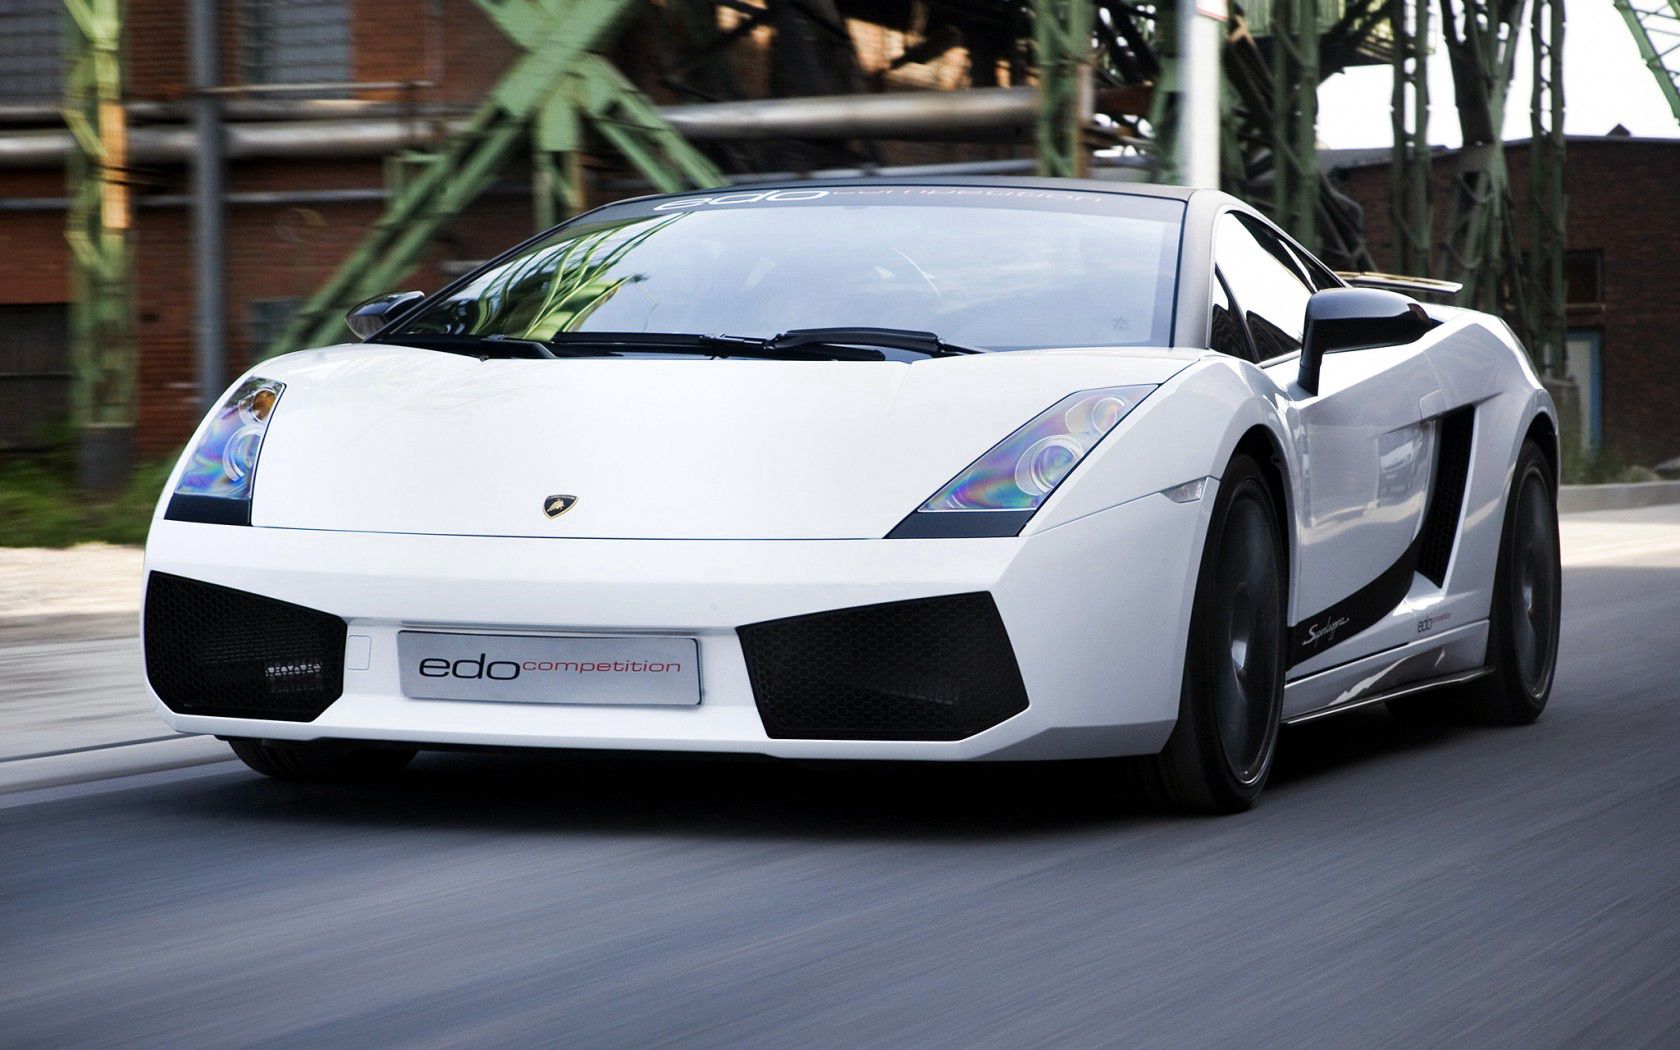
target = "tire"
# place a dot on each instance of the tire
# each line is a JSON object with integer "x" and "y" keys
{"x": 1524, "y": 616}
{"x": 321, "y": 760}
{"x": 1221, "y": 750}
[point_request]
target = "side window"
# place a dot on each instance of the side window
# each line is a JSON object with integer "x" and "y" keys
{"x": 1317, "y": 272}
{"x": 1225, "y": 331}
{"x": 1270, "y": 292}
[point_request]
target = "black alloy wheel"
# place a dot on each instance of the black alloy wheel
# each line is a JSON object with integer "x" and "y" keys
{"x": 1534, "y": 589}
{"x": 1221, "y": 751}
{"x": 1523, "y": 618}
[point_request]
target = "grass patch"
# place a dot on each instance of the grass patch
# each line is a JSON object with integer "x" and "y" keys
{"x": 1600, "y": 468}
{"x": 40, "y": 505}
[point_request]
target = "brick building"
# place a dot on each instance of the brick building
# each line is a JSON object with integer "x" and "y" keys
{"x": 289, "y": 220}
{"x": 1623, "y": 346}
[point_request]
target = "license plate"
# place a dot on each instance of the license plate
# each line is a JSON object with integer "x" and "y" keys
{"x": 532, "y": 669}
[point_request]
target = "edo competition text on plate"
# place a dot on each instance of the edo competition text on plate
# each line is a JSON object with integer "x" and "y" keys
{"x": 535, "y": 669}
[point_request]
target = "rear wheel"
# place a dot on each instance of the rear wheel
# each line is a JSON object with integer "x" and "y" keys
{"x": 1523, "y": 620}
{"x": 1220, "y": 752}
{"x": 321, "y": 759}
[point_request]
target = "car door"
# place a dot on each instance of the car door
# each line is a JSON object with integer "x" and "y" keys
{"x": 1366, "y": 443}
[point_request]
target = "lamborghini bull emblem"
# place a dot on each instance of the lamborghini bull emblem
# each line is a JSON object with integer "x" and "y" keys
{"x": 554, "y": 506}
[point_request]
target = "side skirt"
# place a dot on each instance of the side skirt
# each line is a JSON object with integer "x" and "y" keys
{"x": 1426, "y": 660}
{"x": 1391, "y": 694}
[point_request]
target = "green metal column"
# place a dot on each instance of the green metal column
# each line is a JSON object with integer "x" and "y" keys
{"x": 1193, "y": 117}
{"x": 1547, "y": 204}
{"x": 556, "y": 88}
{"x": 1410, "y": 170}
{"x": 1269, "y": 117}
{"x": 1164, "y": 99}
{"x": 98, "y": 230}
{"x": 1062, "y": 46}
{"x": 557, "y": 144}
{"x": 1481, "y": 41}
{"x": 1295, "y": 116}
{"x": 632, "y": 125}
{"x": 1655, "y": 25}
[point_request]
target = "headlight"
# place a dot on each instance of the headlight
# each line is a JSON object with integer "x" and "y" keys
{"x": 216, "y": 483}
{"x": 999, "y": 491}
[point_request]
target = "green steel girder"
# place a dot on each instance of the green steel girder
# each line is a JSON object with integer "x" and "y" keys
{"x": 1545, "y": 323}
{"x": 1164, "y": 100}
{"x": 1655, "y": 25}
{"x": 1295, "y": 78}
{"x": 1481, "y": 38}
{"x": 97, "y": 225}
{"x": 1062, "y": 44}
{"x": 551, "y": 93}
{"x": 1253, "y": 117}
{"x": 626, "y": 119}
{"x": 1411, "y": 174}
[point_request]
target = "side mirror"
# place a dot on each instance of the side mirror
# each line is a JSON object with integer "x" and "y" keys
{"x": 1356, "y": 319}
{"x": 370, "y": 315}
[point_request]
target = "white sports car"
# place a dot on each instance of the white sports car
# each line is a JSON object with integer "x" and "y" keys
{"x": 911, "y": 469}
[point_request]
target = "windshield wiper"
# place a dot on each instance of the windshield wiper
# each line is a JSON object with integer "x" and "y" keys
{"x": 907, "y": 339}
{"x": 751, "y": 346}
{"x": 503, "y": 347}
{"x": 542, "y": 349}
{"x": 711, "y": 346}
{"x": 795, "y": 344}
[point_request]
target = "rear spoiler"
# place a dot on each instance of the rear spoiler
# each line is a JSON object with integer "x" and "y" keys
{"x": 1398, "y": 283}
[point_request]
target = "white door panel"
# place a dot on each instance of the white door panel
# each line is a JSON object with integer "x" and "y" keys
{"x": 1366, "y": 468}
{"x": 1365, "y": 453}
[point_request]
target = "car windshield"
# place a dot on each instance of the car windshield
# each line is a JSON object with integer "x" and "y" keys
{"x": 999, "y": 268}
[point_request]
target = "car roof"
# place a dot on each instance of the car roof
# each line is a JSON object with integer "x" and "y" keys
{"x": 1024, "y": 182}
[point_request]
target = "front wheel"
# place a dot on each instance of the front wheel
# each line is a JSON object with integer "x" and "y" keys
{"x": 1220, "y": 752}
{"x": 320, "y": 760}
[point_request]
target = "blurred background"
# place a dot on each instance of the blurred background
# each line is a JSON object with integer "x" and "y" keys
{"x": 187, "y": 186}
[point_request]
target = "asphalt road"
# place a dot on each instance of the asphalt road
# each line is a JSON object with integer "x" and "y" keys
{"x": 1395, "y": 887}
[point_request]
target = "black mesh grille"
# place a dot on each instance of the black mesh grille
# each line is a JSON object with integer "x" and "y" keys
{"x": 930, "y": 669}
{"x": 216, "y": 651}
{"x": 1446, "y": 499}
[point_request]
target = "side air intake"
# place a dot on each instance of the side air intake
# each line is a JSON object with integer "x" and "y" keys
{"x": 930, "y": 669}
{"x": 216, "y": 651}
{"x": 1446, "y": 498}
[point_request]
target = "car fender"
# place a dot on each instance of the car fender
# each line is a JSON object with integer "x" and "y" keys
{"x": 1187, "y": 429}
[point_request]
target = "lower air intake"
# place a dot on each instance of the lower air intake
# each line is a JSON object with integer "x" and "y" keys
{"x": 216, "y": 651}
{"x": 929, "y": 669}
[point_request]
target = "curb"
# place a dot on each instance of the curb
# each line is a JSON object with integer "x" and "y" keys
{"x": 1574, "y": 499}
{"x": 68, "y": 627}
{"x": 107, "y": 763}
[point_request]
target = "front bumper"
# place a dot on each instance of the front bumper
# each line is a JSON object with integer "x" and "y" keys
{"x": 1096, "y": 611}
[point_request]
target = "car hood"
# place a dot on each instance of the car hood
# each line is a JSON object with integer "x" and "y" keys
{"x": 392, "y": 439}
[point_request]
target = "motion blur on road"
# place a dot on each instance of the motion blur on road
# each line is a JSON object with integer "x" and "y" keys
{"x": 1394, "y": 886}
